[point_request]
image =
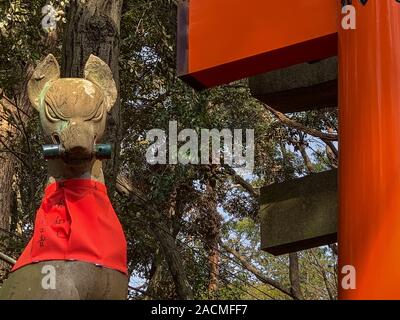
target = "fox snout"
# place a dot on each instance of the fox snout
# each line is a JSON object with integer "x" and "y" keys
{"x": 77, "y": 140}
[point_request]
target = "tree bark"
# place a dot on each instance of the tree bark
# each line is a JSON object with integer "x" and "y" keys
{"x": 174, "y": 261}
{"x": 6, "y": 192}
{"x": 7, "y": 131}
{"x": 152, "y": 291}
{"x": 213, "y": 237}
{"x": 294, "y": 275}
{"x": 214, "y": 261}
{"x": 9, "y": 136}
{"x": 93, "y": 27}
{"x": 6, "y": 172}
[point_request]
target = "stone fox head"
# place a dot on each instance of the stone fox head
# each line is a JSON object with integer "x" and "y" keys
{"x": 73, "y": 111}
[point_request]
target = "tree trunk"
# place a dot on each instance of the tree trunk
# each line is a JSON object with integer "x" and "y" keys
{"x": 294, "y": 275}
{"x": 214, "y": 261}
{"x": 171, "y": 221}
{"x": 6, "y": 194}
{"x": 9, "y": 136}
{"x": 6, "y": 176}
{"x": 174, "y": 261}
{"x": 213, "y": 238}
{"x": 155, "y": 278}
{"x": 93, "y": 27}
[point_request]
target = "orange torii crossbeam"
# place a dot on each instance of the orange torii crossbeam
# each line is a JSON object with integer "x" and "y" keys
{"x": 225, "y": 40}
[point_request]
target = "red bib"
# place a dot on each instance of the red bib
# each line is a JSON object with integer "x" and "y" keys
{"x": 76, "y": 221}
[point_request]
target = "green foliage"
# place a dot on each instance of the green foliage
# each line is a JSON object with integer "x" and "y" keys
{"x": 151, "y": 96}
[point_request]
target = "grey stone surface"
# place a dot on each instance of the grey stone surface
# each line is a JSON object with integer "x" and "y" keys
{"x": 301, "y": 87}
{"x": 74, "y": 280}
{"x": 299, "y": 214}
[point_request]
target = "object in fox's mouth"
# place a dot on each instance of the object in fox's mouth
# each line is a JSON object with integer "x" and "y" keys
{"x": 57, "y": 151}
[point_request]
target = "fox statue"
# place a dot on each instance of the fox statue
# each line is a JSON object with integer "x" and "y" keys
{"x": 78, "y": 247}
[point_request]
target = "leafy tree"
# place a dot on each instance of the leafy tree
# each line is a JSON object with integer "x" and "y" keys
{"x": 192, "y": 230}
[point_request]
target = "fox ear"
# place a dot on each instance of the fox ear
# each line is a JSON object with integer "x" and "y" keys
{"x": 98, "y": 72}
{"x": 47, "y": 70}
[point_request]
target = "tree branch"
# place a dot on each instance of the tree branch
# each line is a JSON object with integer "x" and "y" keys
{"x": 248, "y": 266}
{"x": 334, "y": 248}
{"x": 332, "y": 147}
{"x": 10, "y": 105}
{"x": 307, "y": 161}
{"x": 298, "y": 126}
{"x": 7, "y": 259}
{"x": 322, "y": 270}
{"x": 247, "y": 186}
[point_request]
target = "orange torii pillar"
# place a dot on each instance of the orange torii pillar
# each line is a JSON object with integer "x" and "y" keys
{"x": 369, "y": 178}
{"x": 225, "y": 40}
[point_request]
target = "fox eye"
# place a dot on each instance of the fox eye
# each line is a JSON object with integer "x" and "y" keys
{"x": 98, "y": 115}
{"x": 50, "y": 114}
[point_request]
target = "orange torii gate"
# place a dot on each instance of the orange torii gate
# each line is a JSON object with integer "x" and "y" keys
{"x": 224, "y": 40}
